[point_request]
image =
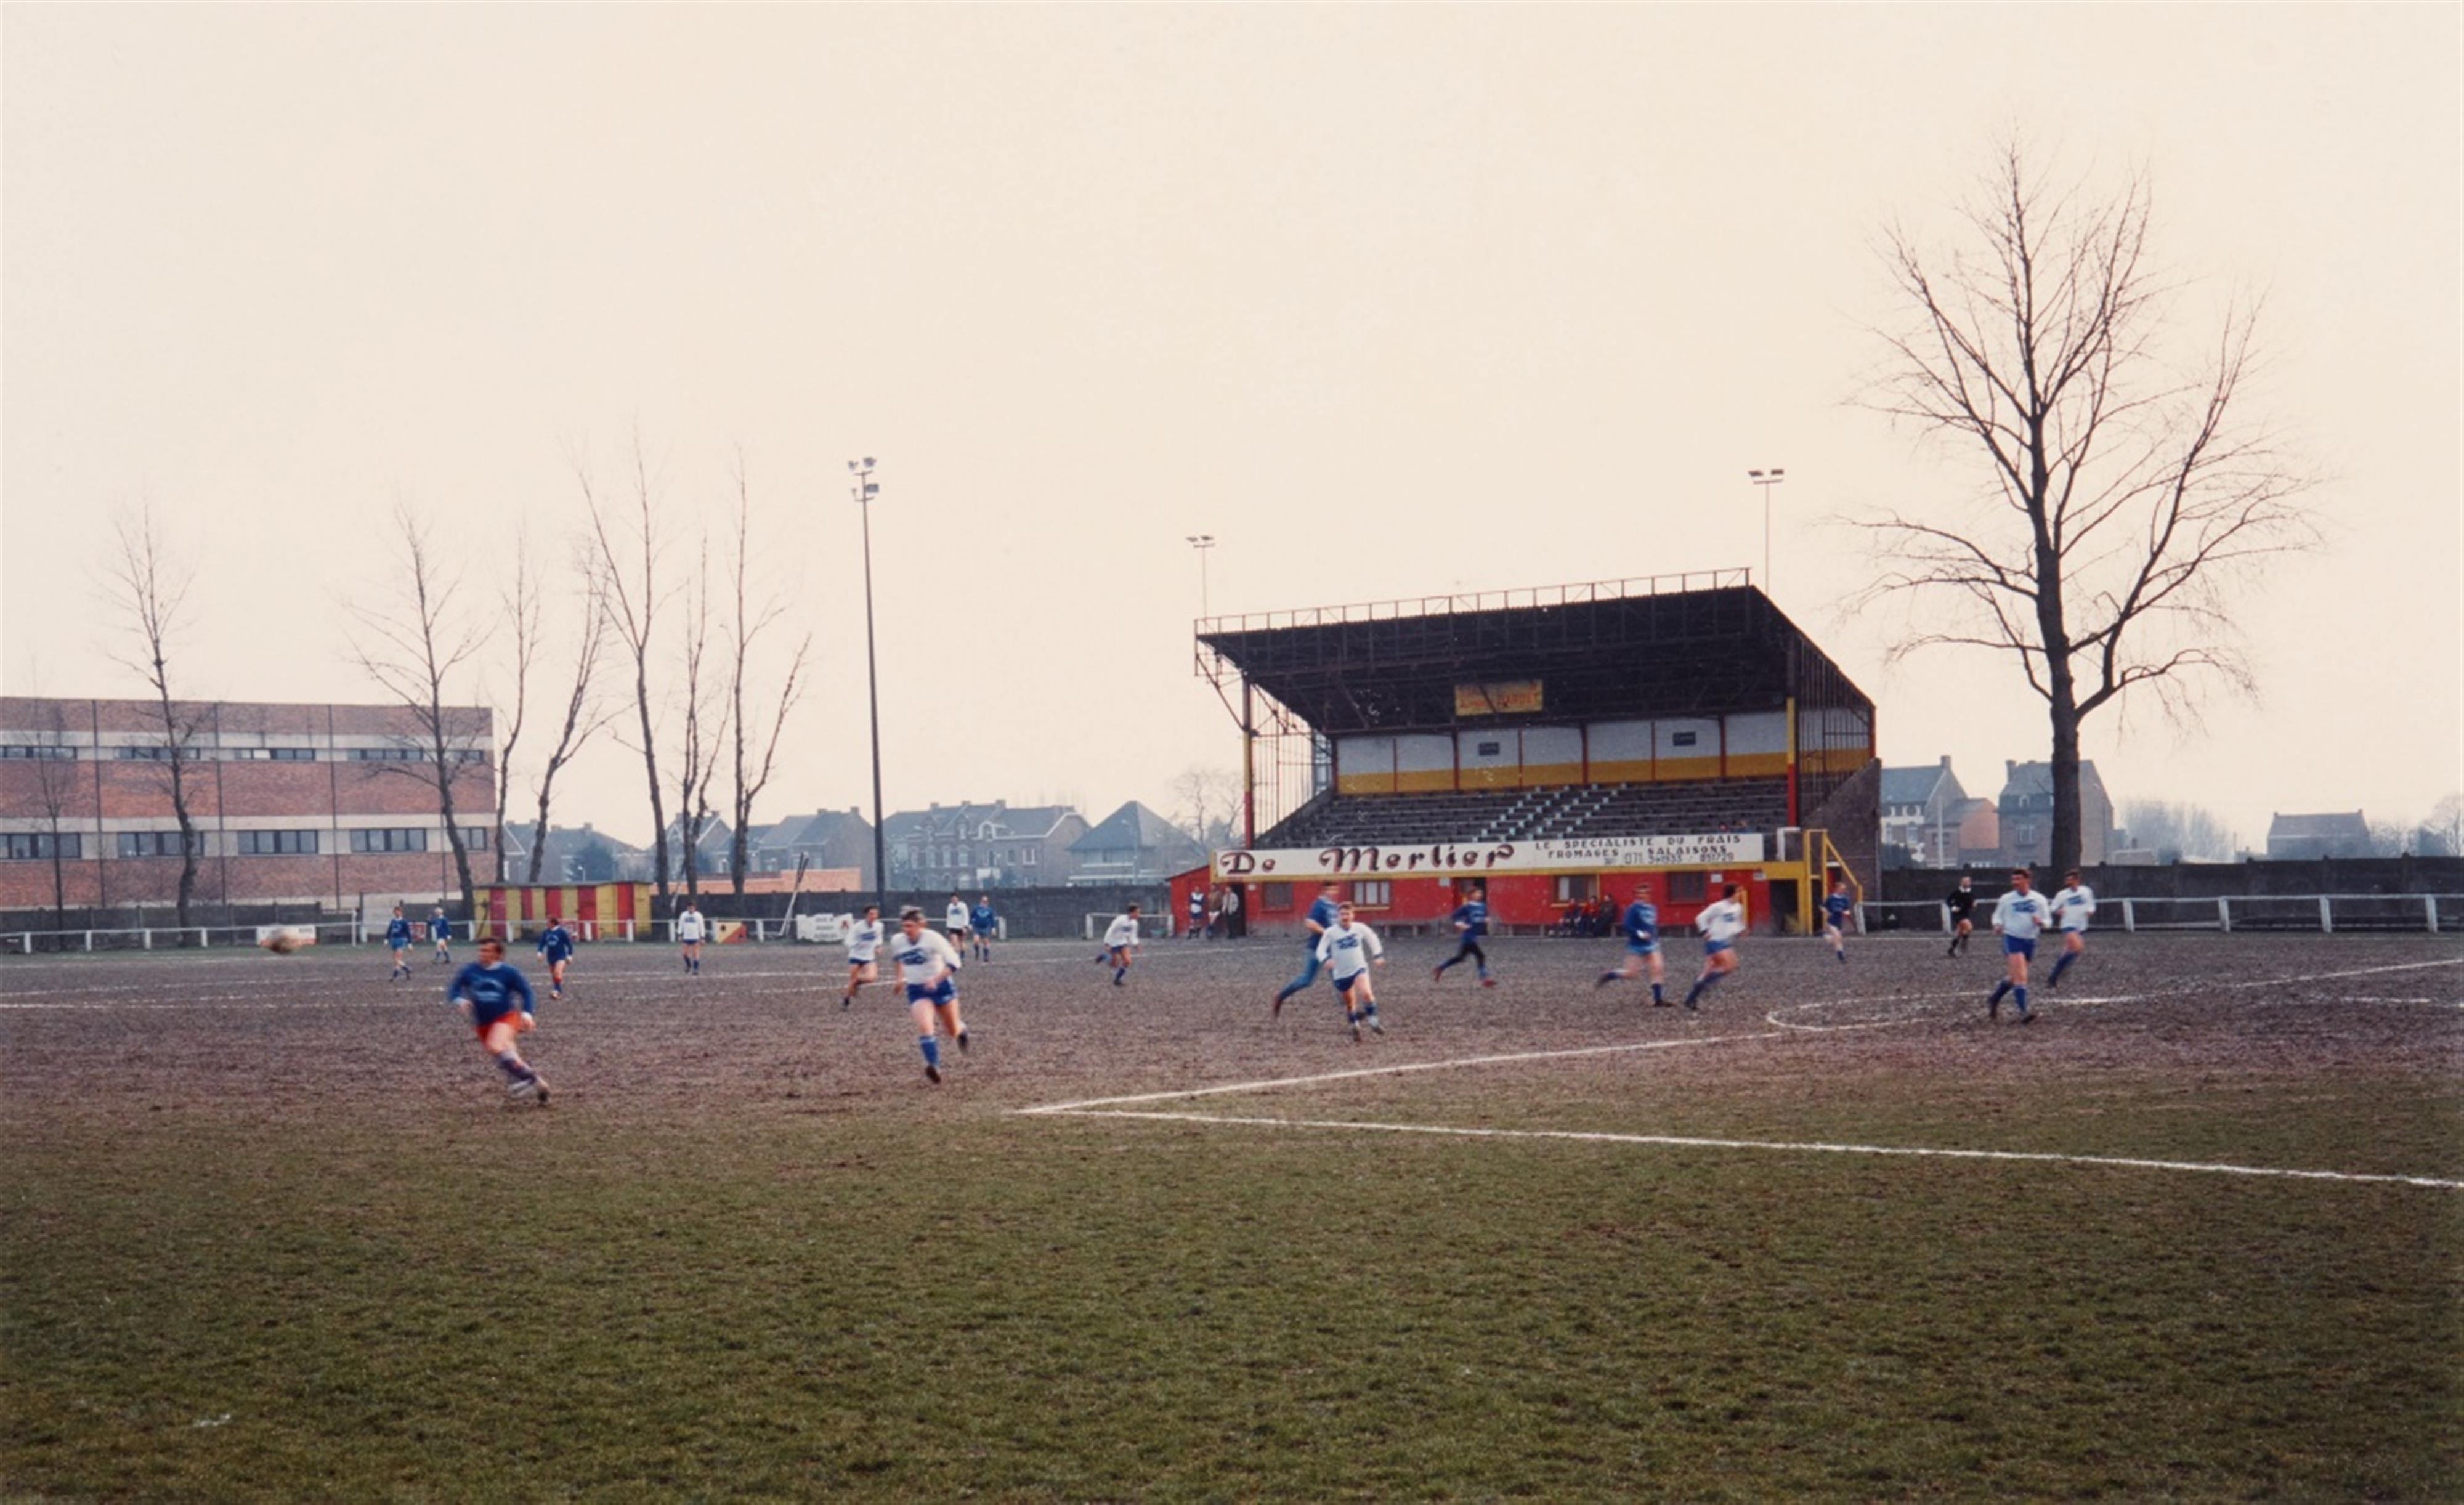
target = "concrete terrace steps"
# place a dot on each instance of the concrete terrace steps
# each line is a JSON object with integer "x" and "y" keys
{"x": 1565, "y": 811}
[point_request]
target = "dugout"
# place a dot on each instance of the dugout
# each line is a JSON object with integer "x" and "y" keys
{"x": 1674, "y": 731}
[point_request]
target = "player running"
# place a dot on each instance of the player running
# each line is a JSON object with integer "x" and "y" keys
{"x": 397, "y": 942}
{"x": 1470, "y": 920}
{"x": 497, "y": 998}
{"x": 983, "y": 925}
{"x": 1348, "y": 948}
{"x": 1196, "y": 913}
{"x": 1962, "y": 904}
{"x": 1641, "y": 924}
{"x": 2073, "y": 906}
{"x": 440, "y": 929}
{"x": 1838, "y": 912}
{"x": 1321, "y": 914}
{"x": 555, "y": 949}
{"x": 954, "y": 920}
{"x": 862, "y": 946}
{"x": 929, "y": 965}
{"x": 690, "y": 928}
{"x": 1721, "y": 925}
{"x": 1121, "y": 943}
{"x": 2020, "y": 915}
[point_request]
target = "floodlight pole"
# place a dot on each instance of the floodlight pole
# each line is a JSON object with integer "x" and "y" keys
{"x": 864, "y": 489}
{"x": 1202, "y": 542}
{"x": 1767, "y": 479}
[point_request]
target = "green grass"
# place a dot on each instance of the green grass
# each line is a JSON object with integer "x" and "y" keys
{"x": 528, "y": 1305}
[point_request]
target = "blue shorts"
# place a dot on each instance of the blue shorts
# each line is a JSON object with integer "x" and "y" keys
{"x": 1119, "y": 954}
{"x": 944, "y": 991}
{"x": 1712, "y": 948}
{"x": 2018, "y": 946}
{"x": 1641, "y": 948}
{"x": 1343, "y": 984}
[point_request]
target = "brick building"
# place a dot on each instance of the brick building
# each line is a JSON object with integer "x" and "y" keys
{"x": 290, "y": 802}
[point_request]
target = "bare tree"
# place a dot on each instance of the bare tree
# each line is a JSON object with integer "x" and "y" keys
{"x": 633, "y": 600}
{"x": 698, "y": 760}
{"x": 56, "y": 789}
{"x": 525, "y": 614}
{"x": 411, "y": 646}
{"x": 2175, "y": 829}
{"x": 1206, "y": 799}
{"x": 584, "y": 715}
{"x": 2124, "y": 496}
{"x": 754, "y": 759}
{"x": 149, "y": 586}
{"x": 2443, "y": 827}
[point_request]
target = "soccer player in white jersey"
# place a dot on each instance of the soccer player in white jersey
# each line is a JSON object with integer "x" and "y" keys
{"x": 954, "y": 920}
{"x": 863, "y": 946}
{"x": 929, "y": 965}
{"x": 690, "y": 927}
{"x": 1721, "y": 925}
{"x": 2020, "y": 915}
{"x": 1121, "y": 943}
{"x": 2073, "y": 907}
{"x": 1348, "y": 948}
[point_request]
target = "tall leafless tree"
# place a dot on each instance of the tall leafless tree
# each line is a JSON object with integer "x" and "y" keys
{"x": 524, "y": 618}
{"x": 2124, "y": 496}
{"x": 149, "y": 587}
{"x": 585, "y": 715}
{"x": 412, "y": 645}
{"x": 697, "y": 747}
{"x": 756, "y": 752}
{"x": 1207, "y": 798}
{"x": 629, "y": 551}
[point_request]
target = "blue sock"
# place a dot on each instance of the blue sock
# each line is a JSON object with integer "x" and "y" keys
{"x": 932, "y": 1050}
{"x": 1119, "y": 972}
{"x": 1696, "y": 992}
{"x": 2021, "y": 994}
{"x": 1655, "y": 993}
{"x": 1999, "y": 988}
{"x": 1843, "y": 954}
{"x": 2061, "y": 965}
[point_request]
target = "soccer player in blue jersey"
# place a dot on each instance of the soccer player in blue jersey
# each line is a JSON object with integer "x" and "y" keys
{"x": 981, "y": 923}
{"x": 1721, "y": 925}
{"x": 1838, "y": 912}
{"x": 440, "y": 930}
{"x": 496, "y": 1000}
{"x": 2073, "y": 906}
{"x": 1470, "y": 920}
{"x": 2020, "y": 915}
{"x": 862, "y": 946}
{"x": 1315, "y": 925}
{"x": 1640, "y": 925}
{"x": 555, "y": 949}
{"x": 929, "y": 965}
{"x": 397, "y": 942}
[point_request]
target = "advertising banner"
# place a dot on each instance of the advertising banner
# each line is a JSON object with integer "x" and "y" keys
{"x": 1467, "y": 858}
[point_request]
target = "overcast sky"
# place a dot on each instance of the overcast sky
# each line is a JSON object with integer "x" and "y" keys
{"x": 1390, "y": 300}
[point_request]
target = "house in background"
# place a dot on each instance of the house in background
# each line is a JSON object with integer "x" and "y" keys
{"x": 983, "y": 846}
{"x": 824, "y": 840}
{"x": 1977, "y": 838}
{"x": 712, "y": 852}
{"x": 1919, "y": 812}
{"x": 574, "y": 854}
{"x": 2296, "y": 837}
{"x": 1133, "y": 844}
{"x": 2026, "y": 811}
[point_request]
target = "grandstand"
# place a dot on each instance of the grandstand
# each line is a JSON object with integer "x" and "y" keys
{"x": 1679, "y": 730}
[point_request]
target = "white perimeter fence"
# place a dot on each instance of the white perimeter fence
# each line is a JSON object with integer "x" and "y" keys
{"x": 2314, "y": 914}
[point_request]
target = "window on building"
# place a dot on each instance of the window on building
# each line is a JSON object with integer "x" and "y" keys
{"x": 157, "y": 843}
{"x": 1275, "y": 895}
{"x": 38, "y": 750}
{"x": 278, "y": 843}
{"x": 399, "y": 838}
{"x": 1030, "y": 857}
{"x": 1574, "y": 888}
{"x": 1372, "y": 894}
{"x": 475, "y": 837}
{"x": 1687, "y": 887}
{"x": 24, "y": 846}
{"x": 144, "y": 752}
{"x": 270, "y": 754}
{"x": 389, "y": 755}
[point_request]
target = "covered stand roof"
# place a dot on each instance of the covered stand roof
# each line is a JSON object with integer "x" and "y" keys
{"x": 1668, "y": 645}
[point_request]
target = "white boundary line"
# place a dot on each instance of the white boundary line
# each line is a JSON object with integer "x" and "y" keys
{"x": 2048, "y": 999}
{"x": 1797, "y": 1146}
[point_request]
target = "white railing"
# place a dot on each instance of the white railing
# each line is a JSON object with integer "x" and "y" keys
{"x": 2324, "y": 914}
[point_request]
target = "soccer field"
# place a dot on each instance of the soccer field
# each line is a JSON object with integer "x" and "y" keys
{"x": 273, "y": 1230}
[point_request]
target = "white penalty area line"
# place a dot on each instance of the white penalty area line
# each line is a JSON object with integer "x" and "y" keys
{"x": 1783, "y": 1147}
